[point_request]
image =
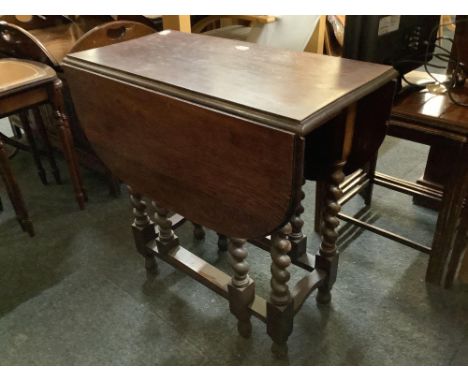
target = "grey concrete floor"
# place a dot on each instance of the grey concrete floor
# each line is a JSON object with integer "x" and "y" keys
{"x": 78, "y": 294}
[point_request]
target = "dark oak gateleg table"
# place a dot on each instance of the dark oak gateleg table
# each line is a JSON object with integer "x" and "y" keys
{"x": 224, "y": 133}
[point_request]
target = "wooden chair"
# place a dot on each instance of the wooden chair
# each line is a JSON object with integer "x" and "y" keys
{"x": 56, "y": 34}
{"x": 14, "y": 193}
{"x": 19, "y": 43}
{"x": 111, "y": 33}
{"x": 23, "y": 44}
{"x": 27, "y": 84}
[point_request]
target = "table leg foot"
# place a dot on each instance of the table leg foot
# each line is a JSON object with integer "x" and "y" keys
{"x": 280, "y": 307}
{"x": 198, "y": 231}
{"x": 151, "y": 265}
{"x": 280, "y": 322}
{"x": 26, "y": 225}
{"x": 143, "y": 230}
{"x": 280, "y": 350}
{"x": 244, "y": 328}
{"x": 241, "y": 289}
{"x": 222, "y": 243}
{"x": 323, "y": 296}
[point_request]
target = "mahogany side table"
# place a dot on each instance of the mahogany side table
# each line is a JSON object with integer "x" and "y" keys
{"x": 433, "y": 119}
{"x": 224, "y": 133}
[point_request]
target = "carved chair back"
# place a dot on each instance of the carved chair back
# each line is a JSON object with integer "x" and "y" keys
{"x": 19, "y": 43}
{"x": 36, "y": 22}
{"x": 111, "y": 33}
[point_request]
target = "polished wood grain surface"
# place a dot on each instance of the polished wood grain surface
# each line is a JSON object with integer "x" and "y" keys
{"x": 294, "y": 90}
{"x": 218, "y": 170}
{"x": 435, "y": 110}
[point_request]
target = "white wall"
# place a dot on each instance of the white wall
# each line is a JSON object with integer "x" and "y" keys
{"x": 5, "y": 127}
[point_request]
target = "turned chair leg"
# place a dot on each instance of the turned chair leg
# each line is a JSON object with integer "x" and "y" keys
{"x": 198, "y": 231}
{"x": 280, "y": 306}
{"x": 67, "y": 144}
{"x": 48, "y": 147}
{"x": 143, "y": 230}
{"x": 241, "y": 289}
{"x": 327, "y": 257}
{"x": 32, "y": 144}
{"x": 14, "y": 193}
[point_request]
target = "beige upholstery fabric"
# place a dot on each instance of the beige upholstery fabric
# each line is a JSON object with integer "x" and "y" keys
{"x": 16, "y": 74}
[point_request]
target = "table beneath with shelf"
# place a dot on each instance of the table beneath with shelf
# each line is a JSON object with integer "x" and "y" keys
{"x": 433, "y": 119}
{"x": 224, "y": 133}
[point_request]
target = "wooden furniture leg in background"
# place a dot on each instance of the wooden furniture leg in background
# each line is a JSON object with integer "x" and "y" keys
{"x": 67, "y": 144}
{"x": 32, "y": 144}
{"x": 114, "y": 184}
{"x": 143, "y": 230}
{"x": 297, "y": 238}
{"x": 222, "y": 243}
{"x": 327, "y": 257}
{"x": 198, "y": 231}
{"x": 463, "y": 270}
{"x": 14, "y": 193}
{"x": 320, "y": 192}
{"x": 48, "y": 147}
{"x": 367, "y": 192}
{"x": 449, "y": 215}
{"x": 241, "y": 288}
{"x": 280, "y": 306}
{"x": 458, "y": 265}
